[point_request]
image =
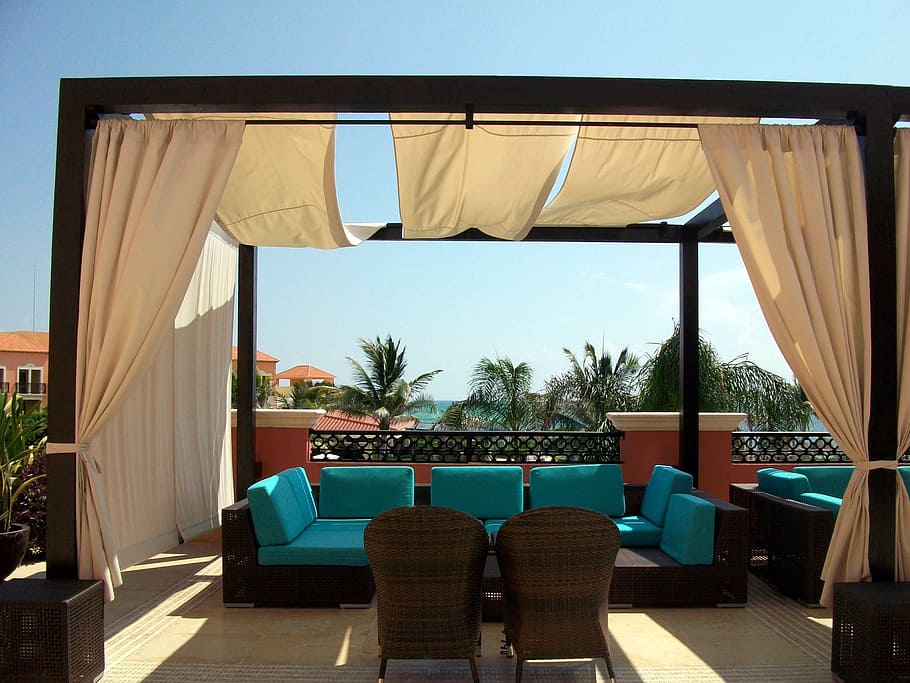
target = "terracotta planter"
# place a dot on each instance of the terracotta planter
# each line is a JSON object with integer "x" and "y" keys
{"x": 12, "y": 548}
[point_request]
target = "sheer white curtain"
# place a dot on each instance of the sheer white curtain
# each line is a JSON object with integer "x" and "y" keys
{"x": 795, "y": 198}
{"x": 154, "y": 187}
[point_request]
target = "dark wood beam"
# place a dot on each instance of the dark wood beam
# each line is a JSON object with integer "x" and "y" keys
{"x": 66, "y": 266}
{"x": 708, "y": 221}
{"x": 246, "y": 369}
{"x": 882, "y": 239}
{"x": 500, "y": 94}
{"x": 688, "y": 357}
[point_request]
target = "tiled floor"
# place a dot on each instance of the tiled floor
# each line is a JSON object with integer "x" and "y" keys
{"x": 168, "y": 624}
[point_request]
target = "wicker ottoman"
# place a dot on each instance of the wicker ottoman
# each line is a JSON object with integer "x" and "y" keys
{"x": 870, "y": 638}
{"x": 51, "y": 630}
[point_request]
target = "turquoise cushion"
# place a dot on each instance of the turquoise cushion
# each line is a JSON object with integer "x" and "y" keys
{"x": 636, "y": 531}
{"x": 277, "y": 517}
{"x": 689, "y": 533}
{"x": 362, "y": 492}
{"x": 485, "y": 491}
{"x": 300, "y": 485}
{"x": 595, "y": 487}
{"x": 664, "y": 482}
{"x": 325, "y": 542}
{"x": 905, "y": 474}
{"x": 762, "y": 476}
{"x": 492, "y": 525}
{"x": 785, "y": 484}
{"x": 822, "y": 501}
{"x": 831, "y": 480}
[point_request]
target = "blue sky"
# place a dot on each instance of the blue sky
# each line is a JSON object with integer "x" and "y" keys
{"x": 449, "y": 303}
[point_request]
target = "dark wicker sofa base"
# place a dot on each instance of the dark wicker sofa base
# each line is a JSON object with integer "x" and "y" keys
{"x": 647, "y": 577}
{"x": 247, "y": 583}
{"x": 788, "y": 541}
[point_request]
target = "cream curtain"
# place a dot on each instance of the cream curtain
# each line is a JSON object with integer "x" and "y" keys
{"x": 795, "y": 198}
{"x": 281, "y": 192}
{"x": 153, "y": 190}
{"x": 633, "y": 174}
{"x": 494, "y": 178}
{"x": 902, "y": 215}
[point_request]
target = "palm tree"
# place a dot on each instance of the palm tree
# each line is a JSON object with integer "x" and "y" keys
{"x": 500, "y": 398}
{"x": 264, "y": 389}
{"x": 770, "y": 402}
{"x": 595, "y": 386}
{"x": 306, "y": 395}
{"x": 380, "y": 389}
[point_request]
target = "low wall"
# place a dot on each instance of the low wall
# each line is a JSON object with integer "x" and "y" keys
{"x": 283, "y": 440}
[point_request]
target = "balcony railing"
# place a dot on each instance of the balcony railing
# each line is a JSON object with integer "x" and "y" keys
{"x": 31, "y": 388}
{"x": 479, "y": 447}
{"x": 783, "y": 447}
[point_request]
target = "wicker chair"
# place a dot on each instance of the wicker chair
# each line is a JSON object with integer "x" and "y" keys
{"x": 557, "y": 564}
{"x": 428, "y": 564}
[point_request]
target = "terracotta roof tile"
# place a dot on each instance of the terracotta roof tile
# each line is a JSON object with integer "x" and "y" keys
{"x": 335, "y": 419}
{"x": 260, "y": 356}
{"x": 24, "y": 342}
{"x": 305, "y": 372}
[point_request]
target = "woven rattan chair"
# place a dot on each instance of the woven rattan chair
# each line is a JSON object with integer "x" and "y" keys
{"x": 557, "y": 564}
{"x": 428, "y": 564}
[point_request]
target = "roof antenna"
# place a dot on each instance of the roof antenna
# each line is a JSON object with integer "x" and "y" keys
{"x": 469, "y": 116}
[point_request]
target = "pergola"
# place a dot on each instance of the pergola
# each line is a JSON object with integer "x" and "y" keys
{"x": 871, "y": 111}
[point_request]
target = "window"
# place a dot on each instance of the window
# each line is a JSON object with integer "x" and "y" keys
{"x": 4, "y": 386}
{"x": 29, "y": 381}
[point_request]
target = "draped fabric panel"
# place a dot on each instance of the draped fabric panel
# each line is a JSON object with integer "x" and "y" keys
{"x": 281, "y": 192}
{"x": 493, "y": 178}
{"x": 795, "y": 198}
{"x": 902, "y": 215}
{"x": 153, "y": 190}
{"x": 632, "y": 174}
{"x": 200, "y": 389}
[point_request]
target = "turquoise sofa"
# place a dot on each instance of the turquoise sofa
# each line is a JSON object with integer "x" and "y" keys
{"x": 280, "y": 549}
{"x": 492, "y": 494}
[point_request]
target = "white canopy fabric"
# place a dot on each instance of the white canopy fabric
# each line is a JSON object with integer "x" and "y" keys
{"x": 493, "y": 178}
{"x": 795, "y": 198}
{"x": 153, "y": 190}
{"x": 633, "y": 174}
{"x": 281, "y": 192}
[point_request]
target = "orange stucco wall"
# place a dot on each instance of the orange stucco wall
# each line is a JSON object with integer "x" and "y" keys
{"x": 13, "y": 360}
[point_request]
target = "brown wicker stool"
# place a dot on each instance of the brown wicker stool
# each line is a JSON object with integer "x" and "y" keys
{"x": 51, "y": 630}
{"x": 870, "y": 638}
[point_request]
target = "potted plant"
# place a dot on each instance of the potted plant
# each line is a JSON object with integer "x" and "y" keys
{"x": 18, "y": 446}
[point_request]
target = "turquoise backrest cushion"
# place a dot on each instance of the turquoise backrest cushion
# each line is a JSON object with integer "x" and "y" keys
{"x": 688, "y": 535}
{"x": 485, "y": 491}
{"x": 277, "y": 515}
{"x": 300, "y": 485}
{"x": 905, "y": 474}
{"x": 762, "y": 476}
{"x": 595, "y": 487}
{"x": 829, "y": 480}
{"x": 664, "y": 482}
{"x": 785, "y": 484}
{"x": 364, "y": 492}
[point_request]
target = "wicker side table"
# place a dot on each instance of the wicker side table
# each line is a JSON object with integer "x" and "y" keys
{"x": 870, "y": 638}
{"x": 51, "y": 630}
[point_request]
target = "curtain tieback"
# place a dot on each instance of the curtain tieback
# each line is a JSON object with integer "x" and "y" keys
{"x": 80, "y": 449}
{"x": 867, "y": 465}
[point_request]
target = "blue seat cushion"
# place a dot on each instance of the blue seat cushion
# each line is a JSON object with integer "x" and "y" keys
{"x": 492, "y": 525}
{"x": 485, "y": 491}
{"x": 689, "y": 533}
{"x": 332, "y": 542}
{"x": 830, "y": 480}
{"x": 664, "y": 482}
{"x": 595, "y": 487}
{"x": 822, "y": 501}
{"x": 364, "y": 492}
{"x": 637, "y": 531}
{"x": 277, "y": 515}
{"x": 785, "y": 484}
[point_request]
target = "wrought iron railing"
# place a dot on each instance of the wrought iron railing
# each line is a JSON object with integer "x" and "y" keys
{"x": 798, "y": 447}
{"x": 492, "y": 447}
{"x": 31, "y": 388}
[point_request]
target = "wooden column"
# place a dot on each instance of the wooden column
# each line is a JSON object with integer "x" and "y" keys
{"x": 688, "y": 354}
{"x": 246, "y": 369}
{"x": 879, "y": 128}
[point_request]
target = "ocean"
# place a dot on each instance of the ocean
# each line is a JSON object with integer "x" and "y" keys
{"x": 427, "y": 418}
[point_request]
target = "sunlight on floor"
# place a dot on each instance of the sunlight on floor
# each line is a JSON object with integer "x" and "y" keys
{"x": 345, "y": 648}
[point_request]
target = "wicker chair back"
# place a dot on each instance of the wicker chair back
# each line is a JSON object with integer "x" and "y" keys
{"x": 427, "y": 563}
{"x": 557, "y": 565}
